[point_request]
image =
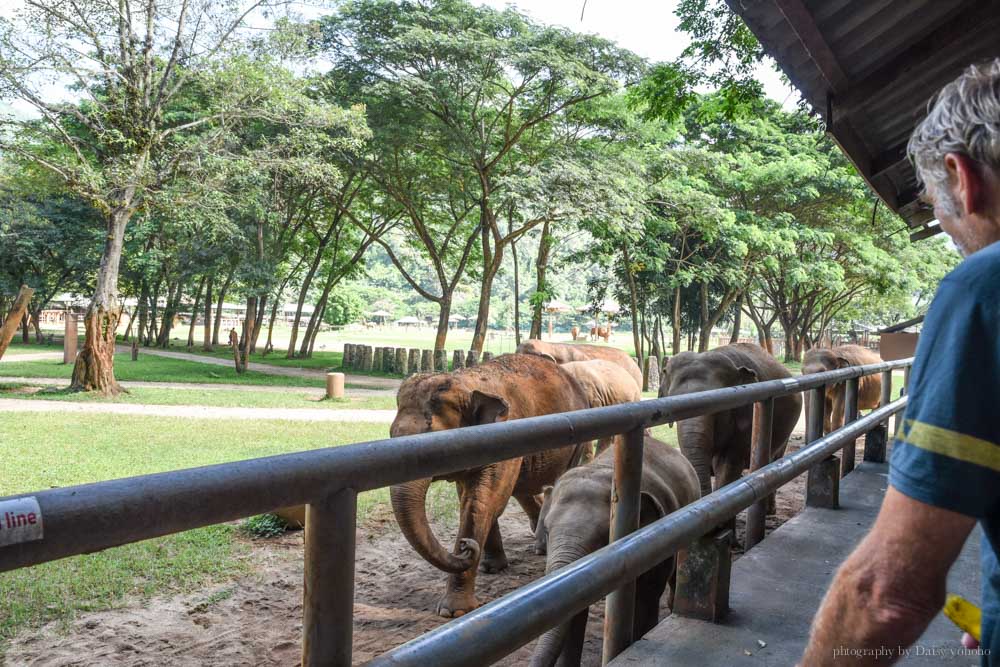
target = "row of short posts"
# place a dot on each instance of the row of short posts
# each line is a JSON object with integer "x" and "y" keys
{"x": 405, "y": 362}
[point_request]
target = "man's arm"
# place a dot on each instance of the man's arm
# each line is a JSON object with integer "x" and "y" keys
{"x": 892, "y": 585}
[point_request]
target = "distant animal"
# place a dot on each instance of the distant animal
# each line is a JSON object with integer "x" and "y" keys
{"x": 565, "y": 352}
{"x": 600, "y": 332}
{"x": 719, "y": 443}
{"x": 604, "y": 383}
{"x": 508, "y": 387}
{"x": 575, "y": 331}
{"x": 576, "y": 520}
{"x": 821, "y": 360}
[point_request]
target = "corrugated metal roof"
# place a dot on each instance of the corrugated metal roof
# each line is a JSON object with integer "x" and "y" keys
{"x": 870, "y": 67}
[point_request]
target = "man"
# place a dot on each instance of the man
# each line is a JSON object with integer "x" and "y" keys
{"x": 945, "y": 469}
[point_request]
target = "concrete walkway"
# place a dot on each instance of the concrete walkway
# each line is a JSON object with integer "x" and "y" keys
{"x": 200, "y": 412}
{"x": 34, "y": 356}
{"x": 777, "y": 586}
{"x": 269, "y": 369}
{"x": 198, "y": 386}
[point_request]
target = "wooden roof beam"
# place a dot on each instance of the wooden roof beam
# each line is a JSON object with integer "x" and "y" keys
{"x": 925, "y": 233}
{"x": 805, "y": 28}
{"x": 888, "y": 160}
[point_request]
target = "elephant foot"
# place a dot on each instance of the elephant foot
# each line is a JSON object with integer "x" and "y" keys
{"x": 493, "y": 564}
{"x": 453, "y": 605}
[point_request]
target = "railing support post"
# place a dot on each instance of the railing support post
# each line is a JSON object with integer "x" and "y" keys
{"x": 849, "y": 454}
{"x": 703, "y": 570}
{"x": 875, "y": 441}
{"x": 328, "y": 596}
{"x": 760, "y": 456}
{"x": 625, "y": 502}
{"x": 886, "y": 397}
{"x": 822, "y": 483}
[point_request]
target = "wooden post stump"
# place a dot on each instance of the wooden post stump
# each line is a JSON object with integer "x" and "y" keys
{"x": 471, "y": 359}
{"x": 487, "y": 356}
{"x": 703, "y": 571}
{"x": 457, "y": 360}
{"x": 875, "y": 441}
{"x": 400, "y": 367}
{"x": 413, "y": 362}
{"x": 441, "y": 361}
{"x": 823, "y": 484}
{"x": 427, "y": 361}
{"x": 71, "y": 334}
{"x": 334, "y": 385}
{"x": 377, "y": 359}
{"x": 345, "y": 361}
{"x": 366, "y": 358}
{"x": 388, "y": 360}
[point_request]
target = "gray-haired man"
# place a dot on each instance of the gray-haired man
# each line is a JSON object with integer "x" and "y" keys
{"x": 945, "y": 467}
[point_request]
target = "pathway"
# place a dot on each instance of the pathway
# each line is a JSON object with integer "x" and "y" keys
{"x": 198, "y": 386}
{"x": 33, "y": 356}
{"x": 777, "y": 586}
{"x": 200, "y": 412}
{"x": 269, "y": 369}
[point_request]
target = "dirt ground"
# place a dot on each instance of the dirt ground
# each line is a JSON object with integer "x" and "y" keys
{"x": 258, "y": 620}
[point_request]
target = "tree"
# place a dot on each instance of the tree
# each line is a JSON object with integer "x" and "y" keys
{"x": 344, "y": 307}
{"x": 129, "y": 63}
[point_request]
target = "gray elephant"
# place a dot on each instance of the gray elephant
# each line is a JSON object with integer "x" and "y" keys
{"x": 576, "y": 520}
{"x": 720, "y": 443}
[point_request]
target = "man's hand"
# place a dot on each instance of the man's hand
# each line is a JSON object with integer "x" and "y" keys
{"x": 968, "y": 641}
{"x": 888, "y": 591}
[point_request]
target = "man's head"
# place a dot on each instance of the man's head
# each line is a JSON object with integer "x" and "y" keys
{"x": 956, "y": 150}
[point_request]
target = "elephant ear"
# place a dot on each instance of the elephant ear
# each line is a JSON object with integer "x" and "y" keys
{"x": 664, "y": 378}
{"x": 747, "y": 375}
{"x": 842, "y": 362}
{"x": 486, "y": 408}
{"x": 650, "y": 509}
{"x": 545, "y": 355}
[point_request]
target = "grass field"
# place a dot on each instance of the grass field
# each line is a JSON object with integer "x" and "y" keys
{"x": 150, "y": 368}
{"x": 68, "y": 450}
{"x": 222, "y": 398}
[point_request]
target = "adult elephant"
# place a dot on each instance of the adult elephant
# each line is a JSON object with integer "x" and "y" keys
{"x": 720, "y": 443}
{"x": 508, "y": 387}
{"x": 604, "y": 383}
{"x": 821, "y": 360}
{"x": 564, "y": 353}
{"x": 576, "y": 521}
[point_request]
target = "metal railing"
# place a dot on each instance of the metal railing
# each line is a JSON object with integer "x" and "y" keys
{"x": 91, "y": 517}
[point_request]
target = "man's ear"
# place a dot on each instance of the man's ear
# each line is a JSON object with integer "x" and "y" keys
{"x": 967, "y": 183}
{"x": 486, "y": 408}
{"x": 747, "y": 375}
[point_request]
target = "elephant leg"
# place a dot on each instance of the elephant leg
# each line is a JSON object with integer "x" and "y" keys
{"x": 604, "y": 443}
{"x": 828, "y": 411}
{"x": 648, "y": 591}
{"x": 728, "y": 468}
{"x": 494, "y": 559}
{"x": 572, "y": 653}
{"x": 532, "y": 506}
{"x": 483, "y": 498}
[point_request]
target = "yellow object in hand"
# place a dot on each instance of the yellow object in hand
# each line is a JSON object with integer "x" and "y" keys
{"x": 964, "y": 614}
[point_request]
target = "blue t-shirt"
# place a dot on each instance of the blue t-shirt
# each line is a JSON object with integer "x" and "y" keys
{"x": 948, "y": 454}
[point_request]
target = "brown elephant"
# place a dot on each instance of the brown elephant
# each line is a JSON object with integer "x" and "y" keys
{"x": 566, "y": 352}
{"x": 720, "y": 443}
{"x": 576, "y": 521}
{"x": 511, "y": 386}
{"x": 604, "y": 383}
{"x": 821, "y": 360}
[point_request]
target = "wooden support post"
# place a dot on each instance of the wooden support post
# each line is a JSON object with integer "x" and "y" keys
{"x": 875, "y": 442}
{"x": 377, "y": 359}
{"x": 427, "y": 361}
{"x": 457, "y": 360}
{"x": 71, "y": 338}
{"x": 400, "y": 367}
{"x": 487, "y": 356}
{"x": 334, "y": 385}
{"x": 367, "y": 359}
{"x": 413, "y": 361}
{"x": 703, "y": 571}
{"x": 625, "y": 505}
{"x": 760, "y": 456}
{"x": 14, "y": 317}
{"x": 823, "y": 484}
{"x": 849, "y": 454}
{"x": 328, "y": 595}
{"x": 471, "y": 359}
{"x": 441, "y": 361}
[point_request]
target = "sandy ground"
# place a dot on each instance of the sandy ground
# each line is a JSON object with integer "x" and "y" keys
{"x": 258, "y": 620}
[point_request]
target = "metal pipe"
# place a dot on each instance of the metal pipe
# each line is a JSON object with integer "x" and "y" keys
{"x": 849, "y": 455}
{"x": 816, "y": 405}
{"x": 504, "y": 625}
{"x": 625, "y": 503}
{"x": 886, "y": 397}
{"x": 328, "y": 591}
{"x": 760, "y": 454}
{"x": 91, "y": 517}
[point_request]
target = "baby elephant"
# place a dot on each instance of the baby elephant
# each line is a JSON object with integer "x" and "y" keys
{"x": 576, "y": 521}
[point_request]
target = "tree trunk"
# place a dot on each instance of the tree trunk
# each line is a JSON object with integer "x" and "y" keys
{"x": 218, "y": 305}
{"x": 25, "y": 328}
{"x": 128, "y": 330}
{"x": 737, "y": 320}
{"x": 194, "y": 310}
{"x": 312, "y": 329}
{"x": 259, "y": 323}
{"x": 444, "y": 312}
{"x": 541, "y": 268}
{"x": 207, "y": 338}
{"x": 36, "y": 322}
{"x": 307, "y": 279}
{"x": 676, "y": 342}
{"x": 14, "y": 317}
{"x": 249, "y": 321}
{"x": 95, "y": 364}
{"x": 517, "y": 296}
{"x": 490, "y": 271}
{"x": 633, "y": 303}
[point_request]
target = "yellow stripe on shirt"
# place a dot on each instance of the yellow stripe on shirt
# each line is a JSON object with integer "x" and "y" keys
{"x": 953, "y": 444}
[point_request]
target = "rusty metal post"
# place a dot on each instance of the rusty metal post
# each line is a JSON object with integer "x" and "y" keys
{"x": 328, "y": 596}
{"x": 703, "y": 572}
{"x": 760, "y": 456}
{"x": 814, "y": 414}
{"x": 849, "y": 453}
{"x": 821, "y": 490}
{"x": 620, "y": 605}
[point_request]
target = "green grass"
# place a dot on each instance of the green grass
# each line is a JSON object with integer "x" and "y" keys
{"x": 75, "y": 449}
{"x": 319, "y": 360}
{"x": 150, "y": 368}
{"x": 224, "y": 398}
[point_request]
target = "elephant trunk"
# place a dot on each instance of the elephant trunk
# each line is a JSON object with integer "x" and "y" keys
{"x": 409, "y": 505}
{"x": 561, "y": 640}
{"x": 696, "y": 437}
